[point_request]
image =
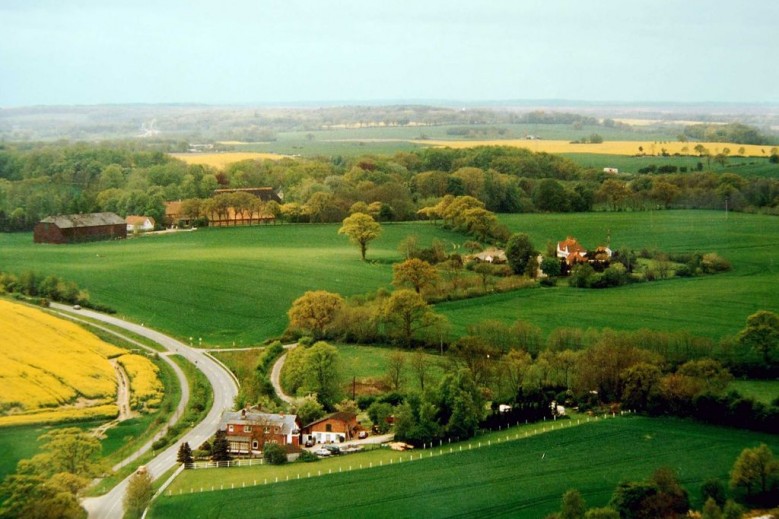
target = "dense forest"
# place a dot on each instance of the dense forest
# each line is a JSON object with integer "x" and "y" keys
{"x": 40, "y": 180}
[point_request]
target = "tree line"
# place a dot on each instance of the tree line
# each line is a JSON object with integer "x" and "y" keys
{"x": 37, "y": 181}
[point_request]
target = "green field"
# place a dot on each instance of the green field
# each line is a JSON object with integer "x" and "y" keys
{"x": 369, "y": 363}
{"x": 711, "y": 306}
{"x": 523, "y": 478}
{"x": 765, "y": 391}
{"x": 747, "y": 167}
{"x": 389, "y": 140}
{"x": 234, "y": 286}
{"x": 226, "y": 286}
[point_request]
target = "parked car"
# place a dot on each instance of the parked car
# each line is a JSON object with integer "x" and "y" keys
{"x": 310, "y": 443}
{"x": 76, "y": 307}
{"x": 333, "y": 449}
{"x": 323, "y": 452}
{"x": 362, "y": 435}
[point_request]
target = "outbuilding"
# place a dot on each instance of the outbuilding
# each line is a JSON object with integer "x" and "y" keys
{"x": 77, "y": 228}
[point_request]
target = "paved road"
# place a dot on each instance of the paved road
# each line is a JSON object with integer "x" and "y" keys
{"x": 109, "y": 506}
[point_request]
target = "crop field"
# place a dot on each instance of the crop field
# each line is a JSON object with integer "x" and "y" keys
{"x": 522, "y": 478}
{"x": 744, "y": 166}
{"x": 51, "y": 369}
{"x": 228, "y": 287}
{"x": 712, "y": 306}
{"x": 146, "y": 388}
{"x": 233, "y": 287}
{"x": 606, "y": 147}
{"x": 220, "y": 160}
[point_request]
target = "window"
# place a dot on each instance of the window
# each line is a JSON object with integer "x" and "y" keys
{"x": 230, "y": 428}
{"x": 247, "y": 428}
{"x": 255, "y": 444}
{"x": 329, "y": 427}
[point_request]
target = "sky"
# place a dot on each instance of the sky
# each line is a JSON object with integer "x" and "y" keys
{"x": 66, "y": 52}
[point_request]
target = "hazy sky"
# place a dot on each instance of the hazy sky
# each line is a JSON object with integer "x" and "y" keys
{"x": 286, "y": 51}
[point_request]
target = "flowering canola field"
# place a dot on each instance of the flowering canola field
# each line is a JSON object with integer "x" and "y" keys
{"x": 220, "y": 160}
{"x": 52, "y": 370}
{"x": 146, "y": 388}
{"x": 608, "y": 147}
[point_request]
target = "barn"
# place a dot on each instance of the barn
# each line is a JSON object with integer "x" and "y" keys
{"x": 76, "y": 228}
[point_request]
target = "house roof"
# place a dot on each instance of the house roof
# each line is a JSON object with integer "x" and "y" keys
{"x": 173, "y": 208}
{"x": 264, "y": 193}
{"x": 287, "y": 422}
{"x": 492, "y": 255}
{"x": 70, "y": 221}
{"x": 139, "y": 220}
{"x": 570, "y": 245}
{"x": 341, "y": 416}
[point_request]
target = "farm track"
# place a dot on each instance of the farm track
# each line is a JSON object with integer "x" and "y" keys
{"x": 110, "y": 506}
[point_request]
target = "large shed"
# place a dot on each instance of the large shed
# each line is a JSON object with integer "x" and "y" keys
{"x": 75, "y": 228}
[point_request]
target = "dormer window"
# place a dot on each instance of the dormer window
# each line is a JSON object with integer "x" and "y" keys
{"x": 247, "y": 428}
{"x": 230, "y": 428}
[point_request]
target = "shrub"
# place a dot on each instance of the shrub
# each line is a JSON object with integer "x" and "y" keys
{"x": 274, "y": 454}
{"x": 308, "y": 456}
{"x": 713, "y": 263}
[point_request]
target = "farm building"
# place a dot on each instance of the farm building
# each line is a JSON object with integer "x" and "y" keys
{"x": 335, "y": 427}
{"x": 140, "y": 223}
{"x": 495, "y": 256}
{"x": 75, "y": 228}
{"x": 247, "y": 431}
{"x": 266, "y": 194}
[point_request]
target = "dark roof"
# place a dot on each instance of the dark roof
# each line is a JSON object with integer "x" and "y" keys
{"x": 69, "y": 221}
{"x": 287, "y": 422}
{"x": 343, "y": 417}
{"x": 264, "y": 193}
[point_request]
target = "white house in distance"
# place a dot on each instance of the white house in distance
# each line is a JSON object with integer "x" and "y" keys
{"x": 140, "y": 223}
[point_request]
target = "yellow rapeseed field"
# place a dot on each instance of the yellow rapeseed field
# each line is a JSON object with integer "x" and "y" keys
{"x": 220, "y": 160}
{"x": 52, "y": 370}
{"x": 145, "y": 386}
{"x": 607, "y": 147}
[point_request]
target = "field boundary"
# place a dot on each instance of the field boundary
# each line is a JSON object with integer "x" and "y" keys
{"x": 443, "y": 449}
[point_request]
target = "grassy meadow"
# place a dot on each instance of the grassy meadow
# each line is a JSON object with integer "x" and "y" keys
{"x": 522, "y": 478}
{"x": 234, "y": 286}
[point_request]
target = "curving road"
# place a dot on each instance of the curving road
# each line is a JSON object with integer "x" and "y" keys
{"x": 109, "y": 506}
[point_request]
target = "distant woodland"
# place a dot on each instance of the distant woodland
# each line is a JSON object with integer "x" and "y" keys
{"x": 39, "y": 180}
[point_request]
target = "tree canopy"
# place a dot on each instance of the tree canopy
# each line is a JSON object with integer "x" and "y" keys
{"x": 361, "y": 229}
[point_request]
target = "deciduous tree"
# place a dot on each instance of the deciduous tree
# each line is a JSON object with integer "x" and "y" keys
{"x": 361, "y": 229}
{"x": 519, "y": 251}
{"x": 407, "y": 312}
{"x": 414, "y": 272}
{"x": 755, "y": 470}
{"x": 314, "y": 311}
{"x": 761, "y": 334}
{"x": 138, "y": 495}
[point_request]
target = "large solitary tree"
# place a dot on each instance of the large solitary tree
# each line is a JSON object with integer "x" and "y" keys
{"x": 361, "y": 229}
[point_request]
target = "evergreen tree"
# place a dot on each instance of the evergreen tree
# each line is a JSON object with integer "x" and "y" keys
{"x": 184, "y": 454}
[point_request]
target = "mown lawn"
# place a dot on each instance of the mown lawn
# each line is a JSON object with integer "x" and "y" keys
{"x": 523, "y": 478}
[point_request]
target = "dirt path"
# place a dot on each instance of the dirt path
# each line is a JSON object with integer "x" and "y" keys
{"x": 122, "y": 400}
{"x": 275, "y": 376}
